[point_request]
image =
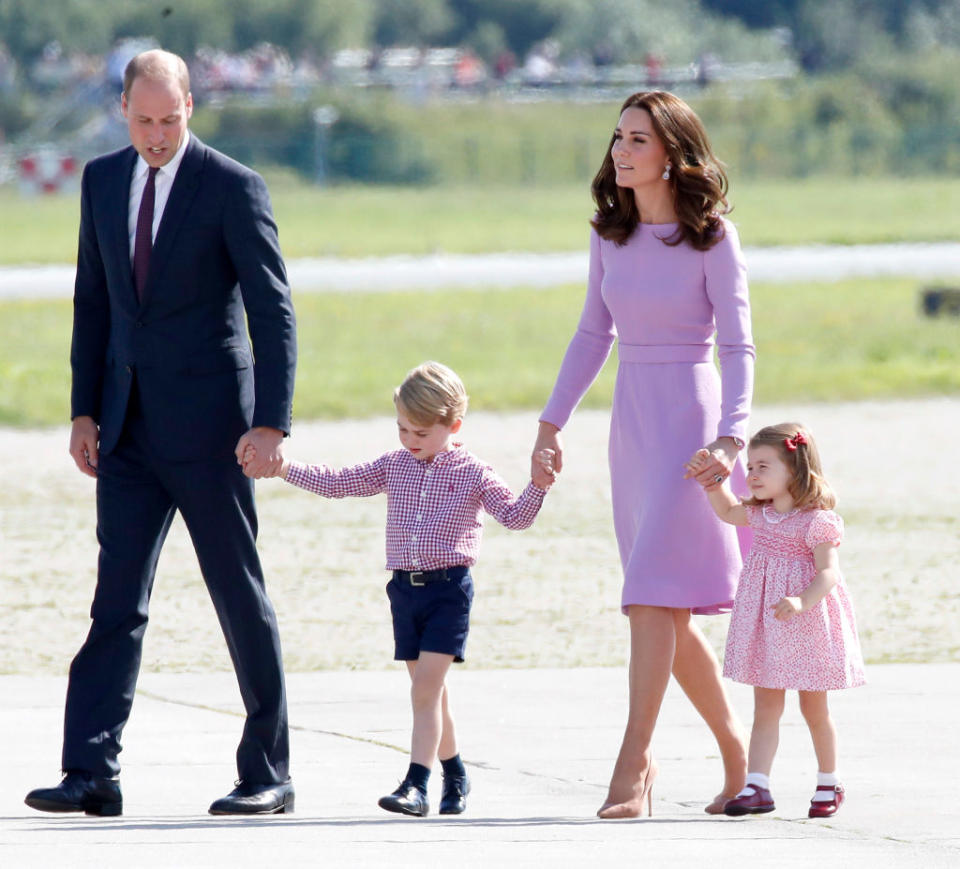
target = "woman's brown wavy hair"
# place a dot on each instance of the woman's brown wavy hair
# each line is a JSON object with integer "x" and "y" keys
{"x": 808, "y": 487}
{"x": 696, "y": 176}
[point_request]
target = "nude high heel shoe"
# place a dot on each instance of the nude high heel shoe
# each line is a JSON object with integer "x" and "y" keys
{"x": 635, "y": 807}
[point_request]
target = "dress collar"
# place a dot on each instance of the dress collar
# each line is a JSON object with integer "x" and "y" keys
{"x": 773, "y": 517}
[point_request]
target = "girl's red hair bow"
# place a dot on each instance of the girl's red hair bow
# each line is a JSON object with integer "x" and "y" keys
{"x": 792, "y": 443}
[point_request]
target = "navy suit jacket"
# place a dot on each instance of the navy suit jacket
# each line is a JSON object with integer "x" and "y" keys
{"x": 216, "y": 285}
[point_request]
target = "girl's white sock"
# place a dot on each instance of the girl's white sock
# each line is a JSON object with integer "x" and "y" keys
{"x": 824, "y": 780}
{"x": 755, "y": 780}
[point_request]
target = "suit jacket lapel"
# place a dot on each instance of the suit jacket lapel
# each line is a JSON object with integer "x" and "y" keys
{"x": 185, "y": 187}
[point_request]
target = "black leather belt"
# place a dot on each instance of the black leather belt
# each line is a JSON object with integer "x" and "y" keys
{"x": 422, "y": 577}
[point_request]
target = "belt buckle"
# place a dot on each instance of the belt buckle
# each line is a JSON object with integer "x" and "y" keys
{"x": 418, "y": 573}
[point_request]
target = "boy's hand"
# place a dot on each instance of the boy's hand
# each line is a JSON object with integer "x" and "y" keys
{"x": 543, "y": 473}
{"x": 786, "y": 608}
{"x": 267, "y": 457}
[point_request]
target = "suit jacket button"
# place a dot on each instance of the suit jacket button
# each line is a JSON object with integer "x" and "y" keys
{"x": 128, "y": 369}
{"x": 139, "y": 323}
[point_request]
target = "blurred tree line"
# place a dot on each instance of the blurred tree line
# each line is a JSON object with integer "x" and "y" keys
{"x": 824, "y": 34}
{"x": 879, "y": 93}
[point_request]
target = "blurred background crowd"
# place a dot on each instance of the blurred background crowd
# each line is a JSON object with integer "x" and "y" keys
{"x": 418, "y": 91}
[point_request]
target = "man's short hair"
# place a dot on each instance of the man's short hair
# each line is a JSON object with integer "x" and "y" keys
{"x": 159, "y": 65}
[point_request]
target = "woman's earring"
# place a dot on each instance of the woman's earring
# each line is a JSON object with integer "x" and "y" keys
{"x": 666, "y": 173}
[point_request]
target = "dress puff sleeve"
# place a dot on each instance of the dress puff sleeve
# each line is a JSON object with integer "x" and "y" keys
{"x": 588, "y": 349}
{"x": 826, "y": 527}
{"x": 725, "y": 272}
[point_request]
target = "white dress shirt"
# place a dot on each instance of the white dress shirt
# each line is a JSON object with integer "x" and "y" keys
{"x": 163, "y": 182}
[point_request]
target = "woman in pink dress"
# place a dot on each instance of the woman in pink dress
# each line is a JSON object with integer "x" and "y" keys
{"x": 793, "y": 625}
{"x": 666, "y": 275}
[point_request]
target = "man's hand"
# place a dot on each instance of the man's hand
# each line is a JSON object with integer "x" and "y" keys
{"x": 84, "y": 440}
{"x": 267, "y": 456}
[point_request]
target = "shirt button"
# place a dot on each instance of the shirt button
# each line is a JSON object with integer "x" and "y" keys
{"x": 413, "y": 538}
{"x": 419, "y": 517}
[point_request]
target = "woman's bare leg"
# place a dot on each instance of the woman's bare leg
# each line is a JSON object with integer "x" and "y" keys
{"x": 696, "y": 669}
{"x": 652, "y": 646}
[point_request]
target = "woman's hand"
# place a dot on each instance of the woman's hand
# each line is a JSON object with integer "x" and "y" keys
{"x": 712, "y": 464}
{"x": 544, "y": 475}
{"x": 548, "y": 438}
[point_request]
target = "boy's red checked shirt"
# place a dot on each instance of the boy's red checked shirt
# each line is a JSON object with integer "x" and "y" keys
{"x": 434, "y": 509}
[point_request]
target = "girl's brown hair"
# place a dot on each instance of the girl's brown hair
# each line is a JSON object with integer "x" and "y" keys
{"x": 696, "y": 176}
{"x": 798, "y": 451}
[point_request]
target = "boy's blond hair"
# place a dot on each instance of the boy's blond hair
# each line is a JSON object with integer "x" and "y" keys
{"x": 431, "y": 393}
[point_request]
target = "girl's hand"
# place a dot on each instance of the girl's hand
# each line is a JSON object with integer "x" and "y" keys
{"x": 548, "y": 438}
{"x": 714, "y": 461}
{"x": 697, "y": 463}
{"x": 786, "y": 608}
{"x": 542, "y": 473}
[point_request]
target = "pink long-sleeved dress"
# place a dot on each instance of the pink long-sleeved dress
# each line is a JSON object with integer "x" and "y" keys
{"x": 664, "y": 304}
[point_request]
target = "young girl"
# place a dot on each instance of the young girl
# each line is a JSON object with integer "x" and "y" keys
{"x": 792, "y": 625}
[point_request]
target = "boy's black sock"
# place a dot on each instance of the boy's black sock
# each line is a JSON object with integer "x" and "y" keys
{"x": 453, "y": 766}
{"x": 418, "y": 775}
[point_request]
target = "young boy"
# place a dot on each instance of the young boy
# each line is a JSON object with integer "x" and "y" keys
{"x": 436, "y": 495}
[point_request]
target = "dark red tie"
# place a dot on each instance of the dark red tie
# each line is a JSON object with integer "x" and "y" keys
{"x": 143, "y": 239}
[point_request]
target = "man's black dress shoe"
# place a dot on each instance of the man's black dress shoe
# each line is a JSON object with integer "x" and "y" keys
{"x": 79, "y": 792}
{"x": 454, "y": 799}
{"x": 407, "y": 799}
{"x": 255, "y": 799}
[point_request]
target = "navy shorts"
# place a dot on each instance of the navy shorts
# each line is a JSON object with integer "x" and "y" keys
{"x": 433, "y": 617}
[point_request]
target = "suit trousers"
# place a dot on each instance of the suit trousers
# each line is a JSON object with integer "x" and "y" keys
{"x": 137, "y": 496}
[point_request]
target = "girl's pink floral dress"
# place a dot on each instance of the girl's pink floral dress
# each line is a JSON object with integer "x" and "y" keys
{"x": 814, "y": 651}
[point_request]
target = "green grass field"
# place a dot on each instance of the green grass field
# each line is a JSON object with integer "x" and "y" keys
{"x": 821, "y": 341}
{"x": 377, "y": 221}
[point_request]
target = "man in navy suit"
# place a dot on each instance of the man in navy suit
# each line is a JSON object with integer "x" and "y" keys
{"x": 178, "y": 259}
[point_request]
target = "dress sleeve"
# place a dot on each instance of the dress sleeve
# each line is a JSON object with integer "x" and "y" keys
{"x": 588, "y": 349}
{"x": 826, "y": 527}
{"x": 726, "y": 282}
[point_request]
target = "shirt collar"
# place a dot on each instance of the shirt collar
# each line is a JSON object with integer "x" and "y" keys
{"x": 456, "y": 449}
{"x": 141, "y": 168}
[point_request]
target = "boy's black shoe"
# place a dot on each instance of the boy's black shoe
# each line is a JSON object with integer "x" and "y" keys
{"x": 454, "y": 799}
{"x": 407, "y": 799}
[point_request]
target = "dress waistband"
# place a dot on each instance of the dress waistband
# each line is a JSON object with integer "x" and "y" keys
{"x": 653, "y": 353}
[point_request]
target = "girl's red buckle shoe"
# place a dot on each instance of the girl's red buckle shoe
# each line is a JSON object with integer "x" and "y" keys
{"x": 826, "y": 808}
{"x": 758, "y": 802}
